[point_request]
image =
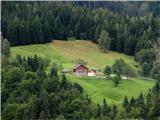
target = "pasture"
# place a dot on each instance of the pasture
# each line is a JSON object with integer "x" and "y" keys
{"x": 65, "y": 52}
{"x": 98, "y": 88}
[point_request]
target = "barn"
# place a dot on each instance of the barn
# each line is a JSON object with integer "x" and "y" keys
{"x": 80, "y": 70}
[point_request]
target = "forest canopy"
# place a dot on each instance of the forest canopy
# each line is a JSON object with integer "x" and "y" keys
{"x": 131, "y": 8}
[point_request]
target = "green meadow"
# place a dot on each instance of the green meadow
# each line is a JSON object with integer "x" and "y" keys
{"x": 65, "y": 52}
{"x": 98, "y": 88}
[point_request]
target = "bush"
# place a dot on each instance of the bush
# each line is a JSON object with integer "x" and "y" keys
{"x": 145, "y": 56}
{"x": 129, "y": 71}
{"x": 116, "y": 80}
{"x": 107, "y": 70}
{"x": 120, "y": 67}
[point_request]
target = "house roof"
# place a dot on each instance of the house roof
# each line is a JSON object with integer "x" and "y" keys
{"x": 78, "y": 65}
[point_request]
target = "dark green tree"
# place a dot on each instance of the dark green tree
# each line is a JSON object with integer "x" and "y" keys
{"x": 126, "y": 105}
{"x": 107, "y": 70}
{"x": 116, "y": 80}
{"x": 118, "y": 66}
{"x": 104, "y": 41}
{"x": 98, "y": 111}
{"x": 14, "y": 31}
{"x": 41, "y": 73}
{"x": 145, "y": 69}
{"x": 5, "y": 47}
{"x": 145, "y": 56}
{"x": 113, "y": 112}
{"x": 78, "y": 87}
{"x": 59, "y": 30}
{"x": 105, "y": 108}
{"x": 47, "y": 31}
{"x": 97, "y": 32}
{"x": 132, "y": 101}
{"x": 78, "y": 30}
{"x": 53, "y": 72}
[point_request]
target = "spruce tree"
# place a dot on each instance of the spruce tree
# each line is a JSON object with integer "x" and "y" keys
{"x": 104, "y": 41}
{"x": 145, "y": 69}
{"x": 37, "y": 30}
{"x": 47, "y": 31}
{"x": 53, "y": 72}
{"x": 77, "y": 30}
{"x": 113, "y": 112}
{"x": 59, "y": 32}
{"x": 125, "y": 102}
{"x": 5, "y": 48}
{"x": 64, "y": 83}
{"x": 132, "y": 101}
{"x": 97, "y": 32}
{"x": 140, "y": 100}
{"x": 19, "y": 59}
{"x": 98, "y": 111}
{"x": 105, "y": 108}
{"x": 126, "y": 105}
{"x": 41, "y": 73}
{"x": 14, "y": 32}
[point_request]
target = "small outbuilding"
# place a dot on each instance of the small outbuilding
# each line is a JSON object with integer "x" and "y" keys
{"x": 80, "y": 70}
{"x": 64, "y": 71}
{"x": 92, "y": 73}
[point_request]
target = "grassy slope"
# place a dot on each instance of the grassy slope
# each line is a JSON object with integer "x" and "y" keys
{"x": 45, "y": 51}
{"x": 100, "y": 88}
{"x": 89, "y": 52}
{"x": 66, "y": 51}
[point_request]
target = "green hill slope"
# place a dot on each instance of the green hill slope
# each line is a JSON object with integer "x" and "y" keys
{"x": 99, "y": 89}
{"x": 64, "y": 52}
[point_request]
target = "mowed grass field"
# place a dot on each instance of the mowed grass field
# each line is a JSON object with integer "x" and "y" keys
{"x": 65, "y": 52}
{"x": 98, "y": 88}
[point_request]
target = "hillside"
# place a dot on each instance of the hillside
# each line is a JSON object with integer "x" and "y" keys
{"x": 80, "y": 60}
{"x": 99, "y": 89}
{"x": 64, "y": 52}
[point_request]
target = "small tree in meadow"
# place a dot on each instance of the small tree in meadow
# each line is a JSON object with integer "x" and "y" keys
{"x": 107, "y": 70}
{"x": 118, "y": 66}
{"x": 116, "y": 80}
